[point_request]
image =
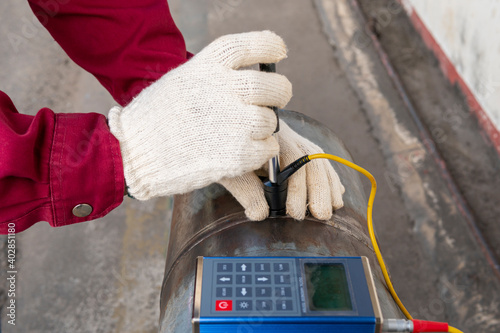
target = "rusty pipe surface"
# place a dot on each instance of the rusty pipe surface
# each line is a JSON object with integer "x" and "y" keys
{"x": 210, "y": 222}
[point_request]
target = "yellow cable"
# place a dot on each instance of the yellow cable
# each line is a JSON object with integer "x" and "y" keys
{"x": 369, "y": 219}
{"x": 370, "y": 225}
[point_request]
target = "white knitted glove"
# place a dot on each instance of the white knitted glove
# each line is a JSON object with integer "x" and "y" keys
{"x": 316, "y": 184}
{"x": 204, "y": 120}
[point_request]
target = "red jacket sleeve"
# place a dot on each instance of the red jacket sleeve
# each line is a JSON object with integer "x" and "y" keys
{"x": 52, "y": 162}
{"x": 125, "y": 44}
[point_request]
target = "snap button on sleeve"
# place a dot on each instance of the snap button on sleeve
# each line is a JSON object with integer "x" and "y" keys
{"x": 82, "y": 210}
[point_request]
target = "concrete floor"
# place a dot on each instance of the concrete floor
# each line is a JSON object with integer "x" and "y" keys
{"x": 105, "y": 275}
{"x": 471, "y": 160}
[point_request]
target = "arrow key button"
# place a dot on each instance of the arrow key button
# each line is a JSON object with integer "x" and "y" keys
{"x": 244, "y": 292}
{"x": 224, "y": 279}
{"x": 263, "y": 279}
{"x": 243, "y": 267}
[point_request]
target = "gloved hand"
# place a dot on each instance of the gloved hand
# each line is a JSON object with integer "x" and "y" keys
{"x": 204, "y": 120}
{"x": 316, "y": 184}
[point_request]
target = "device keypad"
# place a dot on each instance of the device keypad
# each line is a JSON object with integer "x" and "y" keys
{"x": 253, "y": 286}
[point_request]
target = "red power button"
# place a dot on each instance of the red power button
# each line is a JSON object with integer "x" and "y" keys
{"x": 223, "y": 305}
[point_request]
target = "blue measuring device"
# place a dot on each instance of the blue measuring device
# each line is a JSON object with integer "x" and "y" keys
{"x": 285, "y": 294}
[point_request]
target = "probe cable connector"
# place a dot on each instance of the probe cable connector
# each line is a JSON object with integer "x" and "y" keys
{"x": 414, "y": 326}
{"x": 276, "y": 191}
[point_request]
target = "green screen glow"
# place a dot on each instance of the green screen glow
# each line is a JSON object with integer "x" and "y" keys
{"x": 327, "y": 287}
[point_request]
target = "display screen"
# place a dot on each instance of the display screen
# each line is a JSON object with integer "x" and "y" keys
{"x": 327, "y": 287}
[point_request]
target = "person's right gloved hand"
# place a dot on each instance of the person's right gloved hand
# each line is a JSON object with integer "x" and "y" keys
{"x": 204, "y": 120}
{"x": 316, "y": 186}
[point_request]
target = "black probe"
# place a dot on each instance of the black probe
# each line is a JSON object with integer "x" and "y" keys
{"x": 276, "y": 186}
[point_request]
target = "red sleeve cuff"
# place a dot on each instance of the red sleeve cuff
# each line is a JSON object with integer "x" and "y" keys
{"x": 85, "y": 169}
{"x": 51, "y": 163}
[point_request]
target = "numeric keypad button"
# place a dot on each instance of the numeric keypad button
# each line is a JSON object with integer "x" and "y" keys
{"x": 263, "y": 267}
{"x": 224, "y": 292}
{"x": 281, "y": 267}
{"x": 282, "y": 279}
{"x": 283, "y": 292}
{"x": 284, "y": 305}
{"x": 224, "y": 267}
{"x": 264, "y": 305}
{"x": 243, "y": 279}
{"x": 263, "y": 292}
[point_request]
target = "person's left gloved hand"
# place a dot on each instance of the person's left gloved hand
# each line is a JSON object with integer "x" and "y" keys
{"x": 316, "y": 185}
{"x": 203, "y": 120}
